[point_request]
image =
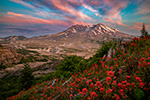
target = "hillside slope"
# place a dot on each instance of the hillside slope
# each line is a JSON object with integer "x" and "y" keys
{"x": 124, "y": 76}
{"x": 9, "y": 56}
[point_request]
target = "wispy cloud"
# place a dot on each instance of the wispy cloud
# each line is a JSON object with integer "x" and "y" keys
{"x": 91, "y": 9}
{"x": 23, "y": 3}
{"x": 15, "y": 18}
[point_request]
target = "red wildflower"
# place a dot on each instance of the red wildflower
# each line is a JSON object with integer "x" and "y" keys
{"x": 138, "y": 79}
{"x": 148, "y": 64}
{"x": 101, "y": 89}
{"x": 108, "y": 91}
{"x": 141, "y": 85}
{"x": 117, "y": 97}
{"x": 106, "y": 66}
{"x": 71, "y": 89}
{"x": 71, "y": 95}
{"x": 120, "y": 71}
{"x": 108, "y": 79}
{"x": 121, "y": 92}
{"x": 113, "y": 88}
{"x": 87, "y": 82}
{"x": 93, "y": 94}
{"x": 92, "y": 85}
{"x": 89, "y": 98}
{"x": 45, "y": 96}
{"x": 124, "y": 82}
{"x": 133, "y": 85}
{"x": 98, "y": 83}
{"x": 149, "y": 49}
{"x": 128, "y": 84}
{"x": 110, "y": 73}
{"x": 114, "y": 82}
{"x": 84, "y": 90}
{"x": 119, "y": 85}
{"x": 128, "y": 77}
{"x": 132, "y": 44}
{"x": 96, "y": 88}
{"x": 145, "y": 88}
{"x": 124, "y": 87}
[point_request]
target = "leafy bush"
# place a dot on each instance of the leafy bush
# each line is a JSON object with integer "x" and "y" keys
{"x": 71, "y": 63}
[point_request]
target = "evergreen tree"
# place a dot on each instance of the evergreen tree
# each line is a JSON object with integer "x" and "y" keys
{"x": 27, "y": 79}
{"x": 143, "y": 31}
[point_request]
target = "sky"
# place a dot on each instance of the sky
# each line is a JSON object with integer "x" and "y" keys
{"x": 44, "y": 17}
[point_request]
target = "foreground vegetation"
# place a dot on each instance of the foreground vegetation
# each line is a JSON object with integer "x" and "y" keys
{"x": 11, "y": 85}
{"x": 124, "y": 76}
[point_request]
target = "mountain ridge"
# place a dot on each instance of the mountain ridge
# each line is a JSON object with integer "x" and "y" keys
{"x": 96, "y": 29}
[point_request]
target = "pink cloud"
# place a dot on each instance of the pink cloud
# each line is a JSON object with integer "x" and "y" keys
{"x": 116, "y": 7}
{"x": 144, "y": 7}
{"x": 74, "y": 22}
{"x": 15, "y": 18}
{"x": 135, "y": 26}
{"x": 94, "y": 2}
{"x": 76, "y": 2}
{"x": 139, "y": 26}
{"x": 22, "y": 19}
{"x": 119, "y": 23}
{"x": 64, "y": 6}
{"x": 108, "y": 20}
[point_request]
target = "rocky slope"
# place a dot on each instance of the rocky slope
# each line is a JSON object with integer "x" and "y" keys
{"x": 8, "y": 56}
{"x": 12, "y": 38}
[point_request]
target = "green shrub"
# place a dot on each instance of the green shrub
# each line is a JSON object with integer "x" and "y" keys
{"x": 9, "y": 86}
{"x": 27, "y": 59}
{"x": 25, "y": 52}
{"x": 27, "y": 79}
{"x": 102, "y": 51}
{"x": 71, "y": 63}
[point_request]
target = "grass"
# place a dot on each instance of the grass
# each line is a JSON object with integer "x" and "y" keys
{"x": 26, "y": 52}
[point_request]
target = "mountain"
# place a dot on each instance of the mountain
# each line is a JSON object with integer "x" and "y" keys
{"x": 98, "y": 32}
{"x": 81, "y": 40}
